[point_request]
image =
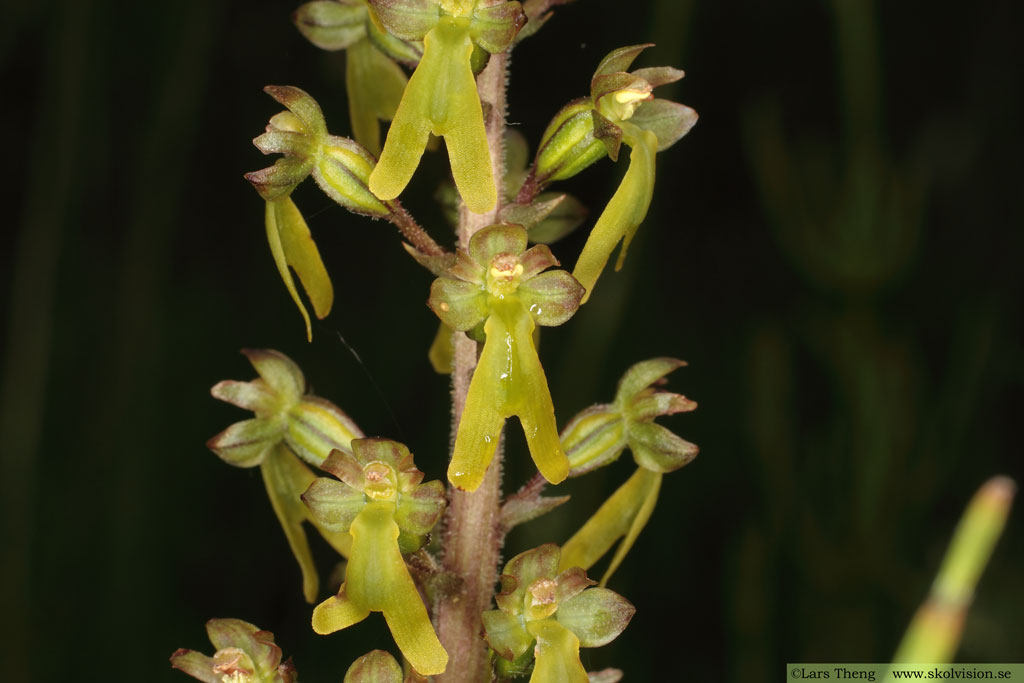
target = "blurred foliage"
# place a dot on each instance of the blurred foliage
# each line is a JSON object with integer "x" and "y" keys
{"x": 834, "y": 249}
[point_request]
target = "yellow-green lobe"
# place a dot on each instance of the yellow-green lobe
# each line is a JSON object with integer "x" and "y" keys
{"x": 440, "y": 98}
{"x": 623, "y": 515}
{"x": 508, "y": 380}
{"x": 286, "y": 478}
{"x": 625, "y": 211}
{"x": 557, "y": 652}
{"x": 374, "y": 84}
{"x": 292, "y": 245}
{"x": 377, "y": 580}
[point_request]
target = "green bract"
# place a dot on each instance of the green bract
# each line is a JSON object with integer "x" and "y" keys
{"x": 499, "y": 283}
{"x": 547, "y": 216}
{"x": 599, "y": 434}
{"x": 553, "y": 612}
{"x": 340, "y": 167}
{"x": 287, "y": 422}
{"x": 441, "y": 96}
{"x": 621, "y": 108}
{"x": 245, "y": 654}
{"x": 381, "y": 501}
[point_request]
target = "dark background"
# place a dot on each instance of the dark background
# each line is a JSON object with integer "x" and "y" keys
{"x": 834, "y": 249}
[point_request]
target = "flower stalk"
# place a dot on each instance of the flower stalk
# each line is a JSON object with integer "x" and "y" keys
{"x": 473, "y": 533}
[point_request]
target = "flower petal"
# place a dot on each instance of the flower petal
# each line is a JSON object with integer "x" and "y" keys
{"x": 246, "y": 443}
{"x": 505, "y": 634}
{"x": 528, "y": 395}
{"x": 669, "y": 121}
{"x": 292, "y": 245}
{"x": 485, "y": 244}
{"x": 657, "y": 449}
{"x": 255, "y": 396}
{"x": 552, "y": 297}
{"x": 375, "y": 85}
{"x": 441, "y": 97}
{"x": 642, "y": 375}
{"x": 300, "y": 103}
{"x": 620, "y": 59}
{"x": 195, "y": 664}
{"x": 508, "y": 380}
{"x": 331, "y": 25}
{"x": 336, "y": 613}
{"x": 482, "y": 418}
{"x": 658, "y": 76}
{"x": 235, "y": 633}
{"x": 407, "y": 19}
{"x": 333, "y": 504}
{"x": 624, "y": 213}
{"x": 378, "y": 579}
{"x": 522, "y": 570}
{"x": 493, "y": 28}
{"x": 596, "y": 616}
{"x": 558, "y": 654}
{"x": 419, "y": 510}
{"x": 279, "y": 372}
{"x": 571, "y": 583}
{"x": 286, "y": 479}
{"x": 459, "y": 304}
{"x": 442, "y": 351}
{"x": 623, "y": 514}
{"x": 375, "y": 449}
{"x": 538, "y": 258}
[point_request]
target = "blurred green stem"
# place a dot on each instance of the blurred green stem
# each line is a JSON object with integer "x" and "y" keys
{"x": 934, "y": 634}
{"x": 473, "y": 536}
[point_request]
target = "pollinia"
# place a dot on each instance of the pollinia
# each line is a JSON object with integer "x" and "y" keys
{"x": 422, "y": 550}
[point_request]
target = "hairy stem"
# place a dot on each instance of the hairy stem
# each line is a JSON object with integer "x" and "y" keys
{"x": 473, "y": 534}
{"x": 412, "y": 231}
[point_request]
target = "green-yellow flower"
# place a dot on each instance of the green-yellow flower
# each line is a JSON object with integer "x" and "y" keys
{"x": 289, "y": 424}
{"x": 441, "y": 96}
{"x": 382, "y": 503}
{"x": 555, "y": 612}
{"x": 621, "y": 109}
{"x": 245, "y": 654}
{"x": 499, "y": 284}
{"x": 599, "y": 435}
{"x": 341, "y": 167}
